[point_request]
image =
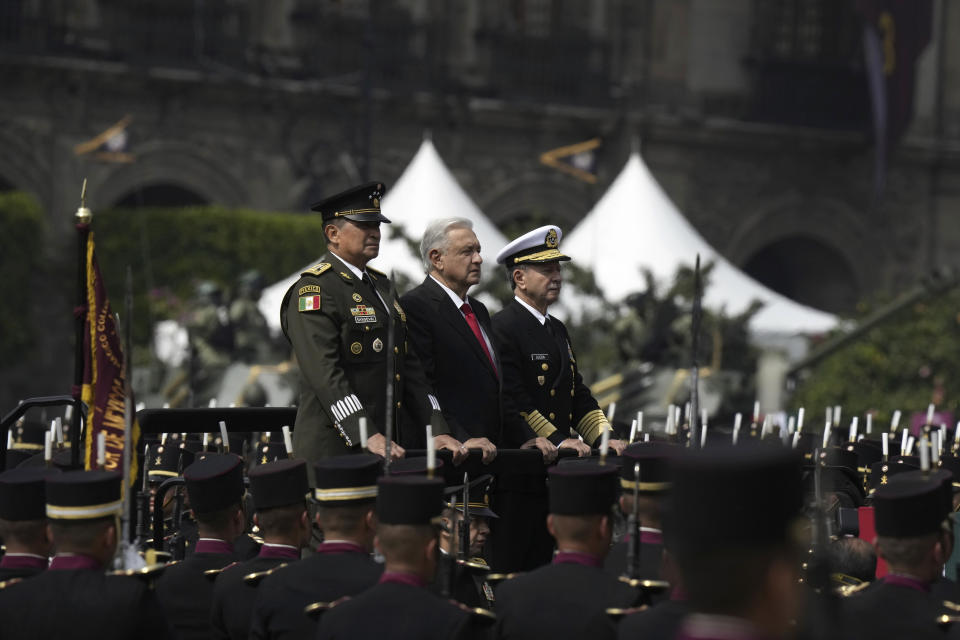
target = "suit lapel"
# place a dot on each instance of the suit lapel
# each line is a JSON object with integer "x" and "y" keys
{"x": 453, "y": 316}
{"x": 542, "y": 339}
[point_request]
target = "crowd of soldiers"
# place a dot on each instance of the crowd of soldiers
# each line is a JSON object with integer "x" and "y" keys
{"x": 358, "y": 528}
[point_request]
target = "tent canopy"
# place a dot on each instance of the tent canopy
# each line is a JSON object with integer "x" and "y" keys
{"x": 636, "y": 226}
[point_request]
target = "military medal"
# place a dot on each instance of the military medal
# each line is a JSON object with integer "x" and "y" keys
{"x": 356, "y": 348}
{"x": 357, "y": 297}
{"x": 378, "y": 345}
{"x": 541, "y": 380}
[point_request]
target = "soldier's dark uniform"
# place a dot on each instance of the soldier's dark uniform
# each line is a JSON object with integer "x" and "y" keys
{"x": 273, "y": 485}
{"x": 470, "y": 585}
{"x": 337, "y": 325}
{"x": 74, "y": 598}
{"x": 337, "y": 569}
{"x": 652, "y": 459}
{"x": 912, "y": 504}
{"x": 186, "y": 588}
{"x": 23, "y": 502}
{"x": 569, "y": 597}
{"x": 541, "y": 380}
{"x": 399, "y": 606}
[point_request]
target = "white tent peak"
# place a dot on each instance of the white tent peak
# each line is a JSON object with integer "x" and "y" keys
{"x": 425, "y": 191}
{"x": 636, "y": 216}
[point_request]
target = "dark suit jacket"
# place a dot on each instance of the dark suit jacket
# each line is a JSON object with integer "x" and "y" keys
{"x": 467, "y": 385}
{"x": 541, "y": 381}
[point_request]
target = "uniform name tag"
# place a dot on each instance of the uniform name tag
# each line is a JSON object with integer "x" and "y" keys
{"x": 537, "y": 357}
{"x": 364, "y": 319}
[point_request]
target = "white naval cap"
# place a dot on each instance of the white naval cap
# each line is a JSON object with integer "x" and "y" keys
{"x": 537, "y": 246}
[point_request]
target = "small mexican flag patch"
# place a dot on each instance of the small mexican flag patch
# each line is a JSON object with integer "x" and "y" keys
{"x": 309, "y": 303}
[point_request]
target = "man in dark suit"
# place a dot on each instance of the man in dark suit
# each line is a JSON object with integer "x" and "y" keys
{"x": 342, "y": 566}
{"x": 338, "y": 318}
{"x": 279, "y": 491}
{"x": 215, "y": 489}
{"x": 23, "y": 522}
{"x": 541, "y": 380}
{"x": 453, "y": 338}
{"x": 74, "y": 598}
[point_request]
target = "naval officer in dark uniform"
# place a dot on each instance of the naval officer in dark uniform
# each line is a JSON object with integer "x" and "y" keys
{"x": 540, "y": 376}
{"x": 74, "y": 598}
{"x": 342, "y": 566}
{"x": 23, "y": 522}
{"x": 279, "y": 491}
{"x": 336, "y": 318}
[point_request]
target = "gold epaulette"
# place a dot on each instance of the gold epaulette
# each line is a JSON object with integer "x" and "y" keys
{"x": 947, "y": 620}
{"x": 848, "y": 590}
{"x": 316, "y": 269}
{"x": 478, "y": 613}
{"x": 147, "y": 573}
{"x": 657, "y": 586}
{"x": 256, "y": 538}
{"x": 151, "y": 556}
{"x": 475, "y": 563}
{"x": 953, "y": 606}
{"x": 253, "y": 579}
{"x": 616, "y": 612}
{"x": 374, "y": 272}
{"x": 11, "y": 581}
{"x": 500, "y": 577}
{"x": 315, "y": 609}
{"x": 213, "y": 573}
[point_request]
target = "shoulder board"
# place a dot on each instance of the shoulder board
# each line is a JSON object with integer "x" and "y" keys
{"x": 373, "y": 271}
{"x": 500, "y": 577}
{"x": 255, "y": 538}
{"x": 315, "y": 609}
{"x": 647, "y": 585}
{"x": 316, "y": 269}
{"x": 617, "y": 612}
{"x": 150, "y": 572}
{"x": 477, "y": 613}
{"x": 952, "y": 606}
{"x": 11, "y": 581}
{"x": 848, "y": 589}
{"x": 253, "y": 579}
{"x": 213, "y": 573}
{"x": 475, "y": 563}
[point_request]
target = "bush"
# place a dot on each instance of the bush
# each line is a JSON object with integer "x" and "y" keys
{"x": 170, "y": 249}
{"x": 22, "y": 221}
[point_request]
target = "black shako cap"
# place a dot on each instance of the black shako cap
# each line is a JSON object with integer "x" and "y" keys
{"x": 654, "y": 459}
{"x": 279, "y": 484}
{"x": 359, "y": 204}
{"x": 348, "y": 479}
{"x": 409, "y": 499}
{"x": 736, "y": 498}
{"x": 582, "y": 489}
{"x": 214, "y": 482}
{"x": 23, "y": 493}
{"x": 84, "y": 495}
{"x": 913, "y": 503}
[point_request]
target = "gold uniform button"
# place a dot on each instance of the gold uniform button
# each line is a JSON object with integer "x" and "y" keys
{"x": 552, "y": 415}
{"x": 398, "y": 404}
{"x": 571, "y": 393}
{"x": 398, "y": 377}
{"x": 570, "y": 416}
{"x": 553, "y": 392}
{"x": 396, "y": 349}
{"x": 544, "y": 366}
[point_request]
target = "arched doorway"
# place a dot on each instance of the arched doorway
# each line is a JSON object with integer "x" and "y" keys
{"x": 806, "y": 270}
{"x": 160, "y": 195}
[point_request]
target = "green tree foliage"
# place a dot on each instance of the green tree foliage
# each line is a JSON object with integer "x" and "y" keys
{"x": 171, "y": 249}
{"x": 905, "y": 363}
{"x": 22, "y": 221}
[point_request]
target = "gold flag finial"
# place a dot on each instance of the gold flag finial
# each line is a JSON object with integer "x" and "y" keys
{"x": 83, "y": 215}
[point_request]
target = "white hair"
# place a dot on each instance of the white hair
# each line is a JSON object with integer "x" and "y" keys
{"x": 436, "y": 236}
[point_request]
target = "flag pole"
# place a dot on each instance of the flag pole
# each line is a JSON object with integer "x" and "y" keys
{"x": 82, "y": 219}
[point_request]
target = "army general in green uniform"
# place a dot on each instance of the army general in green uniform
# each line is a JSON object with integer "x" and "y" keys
{"x": 336, "y": 318}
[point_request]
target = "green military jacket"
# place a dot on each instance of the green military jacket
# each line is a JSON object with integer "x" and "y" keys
{"x": 338, "y": 329}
